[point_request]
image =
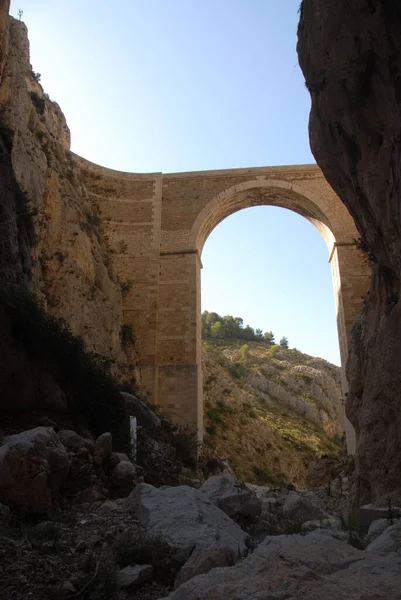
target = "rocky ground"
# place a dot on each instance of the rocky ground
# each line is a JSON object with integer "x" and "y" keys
{"x": 78, "y": 521}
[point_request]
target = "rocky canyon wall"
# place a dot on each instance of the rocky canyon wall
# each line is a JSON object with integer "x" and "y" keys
{"x": 70, "y": 271}
{"x": 50, "y": 238}
{"x": 350, "y": 54}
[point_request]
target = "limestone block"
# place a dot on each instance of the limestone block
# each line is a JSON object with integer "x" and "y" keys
{"x": 185, "y": 519}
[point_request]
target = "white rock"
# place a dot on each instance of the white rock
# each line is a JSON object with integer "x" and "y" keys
{"x": 202, "y": 561}
{"x": 311, "y": 567}
{"x": 303, "y": 508}
{"x": 232, "y": 497}
{"x": 133, "y": 575}
{"x": 376, "y": 528}
{"x": 33, "y": 466}
{"x": 388, "y": 541}
{"x": 185, "y": 519}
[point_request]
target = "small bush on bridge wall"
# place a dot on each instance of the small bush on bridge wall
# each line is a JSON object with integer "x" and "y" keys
{"x": 127, "y": 336}
{"x": 84, "y": 376}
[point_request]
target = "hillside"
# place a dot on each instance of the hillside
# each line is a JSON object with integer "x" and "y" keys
{"x": 270, "y": 410}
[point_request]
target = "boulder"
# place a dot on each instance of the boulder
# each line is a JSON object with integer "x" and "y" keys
{"x": 103, "y": 445}
{"x": 73, "y": 441}
{"x": 202, "y": 561}
{"x": 332, "y": 523}
{"x": 376, "y": 528}
{"x": 303, "y": 508}
{"x": 185, "y": 519}
{"x": 388, "y": 541}
{"x": 310, "y": 567}
{"x": 232, "y": 497}
{"x": 124, "y": 474}
{"x": 116, "y": 457}
{"x": 33, "y": 466}
{"x": 133, "y": 575}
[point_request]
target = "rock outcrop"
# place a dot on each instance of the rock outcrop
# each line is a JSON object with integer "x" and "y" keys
{"x": 185, "y": 519}
{"x": 351, "y": 58}
{"x": 295, "y": 566}
{"x": 33, "y": 466}
{"x": 50, "y": 233}
{"x": 272, "y": 413}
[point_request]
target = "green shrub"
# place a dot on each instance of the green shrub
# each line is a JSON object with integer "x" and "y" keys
{"x": 214, "y": 415}
{"x": 84, "y": 376}
{"x": 237, "y": 369}
{"x": 265, "y": 476}
{"x": 186, "y": 446}
{"x": 38, "y": 102}
{"x": 127, "y": 336}
{"x": 211, "y": 429}
{"x": 274, "y": 350}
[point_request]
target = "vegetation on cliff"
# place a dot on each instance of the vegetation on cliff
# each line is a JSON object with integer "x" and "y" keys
{"x": 270, "y": 413}
{"x": 215, "y": 326}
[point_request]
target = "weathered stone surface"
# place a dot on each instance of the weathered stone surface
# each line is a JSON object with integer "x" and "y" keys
{"x": 73, "y": 441}
{"x": 351, "y": 58}
{"x": 388, "y": 541}
{"x": 67, "y": 265}
{"x": 331, "y": 523}
{"x": 103, "y": 445}
{"x": 376, "y": 528}
{"x": 202, "y": 561}
{"x": 232, "y": 497}
{"x": 133, "y": 575}
{"x": 124, "y": 474}
{"x": 185, "y": 518}
{"x": 117, "y": 457}
{"x": 310, "y": 567}
{"x": 303, "y": 508}
{"x": 328, "y": 469}
{"x": 33, "y": 466}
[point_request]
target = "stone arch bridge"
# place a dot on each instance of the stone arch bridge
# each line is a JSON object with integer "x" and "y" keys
{"x": 156, "y": 225}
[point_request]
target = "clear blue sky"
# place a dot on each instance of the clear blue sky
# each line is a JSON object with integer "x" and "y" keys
{"x": 181, "y": 85}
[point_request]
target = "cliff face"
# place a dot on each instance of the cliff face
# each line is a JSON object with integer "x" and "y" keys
{"x": 50, "y": 238}
{"x": 69, "y": 269}
{"x": 270, "y": 413}
{"x": 351, "y": 58}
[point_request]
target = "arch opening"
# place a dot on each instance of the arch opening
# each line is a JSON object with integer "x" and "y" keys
{"x": 261, "y": 193}
{"x": 269, "y": 266}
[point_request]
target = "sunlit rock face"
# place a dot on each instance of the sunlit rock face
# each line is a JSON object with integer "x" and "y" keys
{"x": 70, "y": 269}
{"x": 351, "y": 58}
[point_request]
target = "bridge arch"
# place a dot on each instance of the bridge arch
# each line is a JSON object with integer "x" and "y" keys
{"x": 266, "y": 192}
{"x": 156, "y": 225}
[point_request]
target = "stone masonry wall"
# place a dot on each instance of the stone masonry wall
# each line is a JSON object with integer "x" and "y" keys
{"x": 155, "y": 226}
